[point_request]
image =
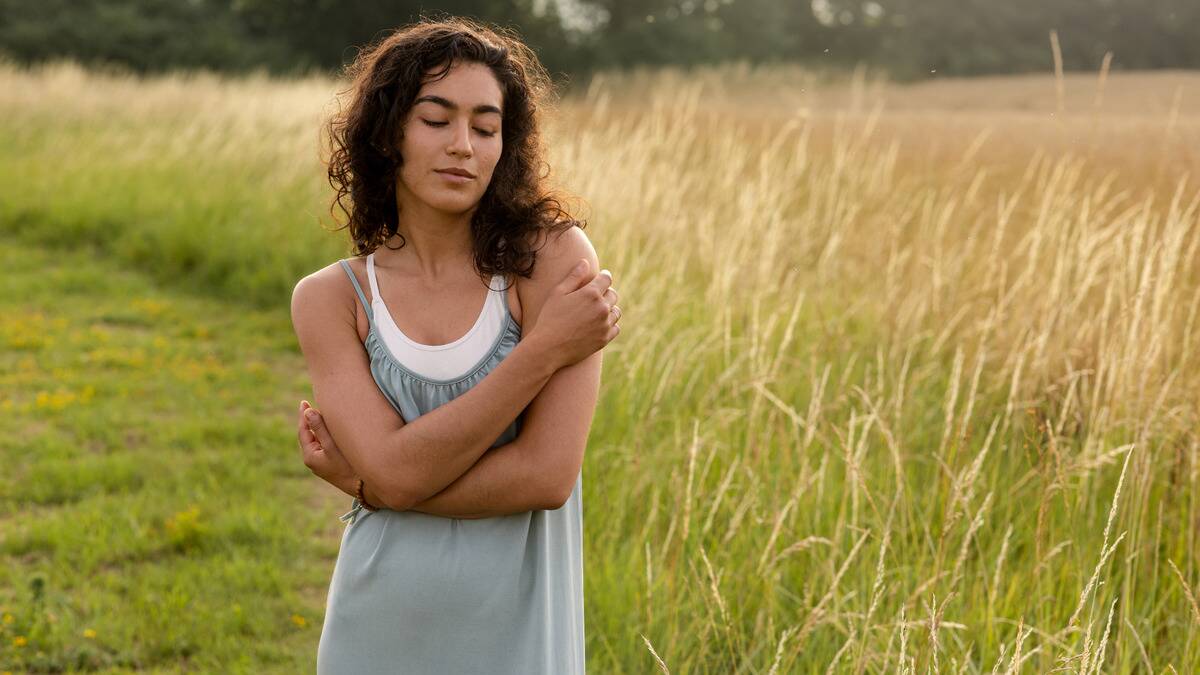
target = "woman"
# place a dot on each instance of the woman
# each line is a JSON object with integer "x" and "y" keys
{"x": 459, "y": 430}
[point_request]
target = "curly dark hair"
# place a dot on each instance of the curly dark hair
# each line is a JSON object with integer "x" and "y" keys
{"x": 385, "y": 78}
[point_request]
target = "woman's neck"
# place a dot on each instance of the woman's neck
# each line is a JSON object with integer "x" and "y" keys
{"x": 435, "y": 251}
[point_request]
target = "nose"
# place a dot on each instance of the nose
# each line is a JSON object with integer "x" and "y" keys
{"x": 460, "y": 142}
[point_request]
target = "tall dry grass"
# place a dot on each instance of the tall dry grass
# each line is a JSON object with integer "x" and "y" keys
{"x": 973, "y": 360}
{"x": 908, "y": 379}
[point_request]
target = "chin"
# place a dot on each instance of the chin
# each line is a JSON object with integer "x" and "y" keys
{"x": 453, "y": 204}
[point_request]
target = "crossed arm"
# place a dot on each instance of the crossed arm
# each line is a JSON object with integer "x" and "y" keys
{"x": 553, "y": 434}
{"x": 517, "y": 476}
{"x": 536, "y": 470}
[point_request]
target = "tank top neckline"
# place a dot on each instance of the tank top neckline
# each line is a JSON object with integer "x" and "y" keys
{"x": 377, "y": 301}
{"x": 509, "y": 335}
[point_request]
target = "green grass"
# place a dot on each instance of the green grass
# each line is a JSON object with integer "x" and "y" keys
{"x": 153, "y": 491}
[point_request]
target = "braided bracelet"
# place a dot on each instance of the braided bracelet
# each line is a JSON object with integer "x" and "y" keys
{"x": 361, "y": 499}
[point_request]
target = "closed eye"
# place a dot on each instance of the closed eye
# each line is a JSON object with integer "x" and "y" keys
{"x": 442, "y": 124}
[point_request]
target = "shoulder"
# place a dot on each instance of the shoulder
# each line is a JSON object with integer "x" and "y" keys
{"x": 324, "y": 295}
{"x": 557, "y": 252}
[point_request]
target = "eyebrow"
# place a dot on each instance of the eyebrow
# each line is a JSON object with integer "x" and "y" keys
{"x": 481, "y": 108}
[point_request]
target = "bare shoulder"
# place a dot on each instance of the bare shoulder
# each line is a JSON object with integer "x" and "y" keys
{"x": 322, "y": 296}
{"x": 557, "y": 252}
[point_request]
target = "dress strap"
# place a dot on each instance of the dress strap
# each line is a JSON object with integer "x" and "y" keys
{"x": 358, "y": 289}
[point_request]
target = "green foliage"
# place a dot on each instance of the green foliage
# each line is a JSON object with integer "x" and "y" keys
{"x": 969, "y": 37}
{"x": 139, "y": 35}
{"x": 911, "y": 38}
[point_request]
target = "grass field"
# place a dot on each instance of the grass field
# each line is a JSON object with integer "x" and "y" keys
{"x": 908, "y": 379}
{"x": 153, "y": 517}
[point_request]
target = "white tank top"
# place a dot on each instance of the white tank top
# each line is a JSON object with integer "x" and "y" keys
{"x": 453, "y": 359}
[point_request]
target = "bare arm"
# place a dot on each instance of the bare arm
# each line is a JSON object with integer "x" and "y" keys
{"x": 538, "y": 469}
{"x": 403, "y": 463}
{"x": 501, "y": 483}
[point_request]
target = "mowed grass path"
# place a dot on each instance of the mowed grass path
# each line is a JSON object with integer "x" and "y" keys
{"x": 154, "y": 512}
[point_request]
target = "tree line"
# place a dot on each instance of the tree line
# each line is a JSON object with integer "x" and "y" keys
{"x": 908, "y": 38}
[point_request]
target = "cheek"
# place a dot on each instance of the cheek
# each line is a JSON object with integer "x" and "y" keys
{"x": 410, "y": 172}
{"x": 493, "y": 157}
{"x": 415, "y": 149}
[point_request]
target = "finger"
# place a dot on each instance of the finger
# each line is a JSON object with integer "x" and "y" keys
{"x": 320, "y": 430}
{"x": 577, "y": 277}
{"x": 603, "y": 280}
{"x": 614, "y": 315}
{"x": 301, "y": 426}
{"x": 611, "y": 296}
{"x": 613, "y": 331}
{"x": 308, "y": 441}
{"x": 310, "y": 450}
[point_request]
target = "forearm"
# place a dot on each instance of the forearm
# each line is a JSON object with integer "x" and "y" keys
{"x": 349, "y": 485}
{"x": 501, "y": 483}
{"x": 429, "y": 453}
{"x": 504, "y": 481}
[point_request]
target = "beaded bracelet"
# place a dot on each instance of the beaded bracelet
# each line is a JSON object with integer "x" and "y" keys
{"x": 361, "y": 499}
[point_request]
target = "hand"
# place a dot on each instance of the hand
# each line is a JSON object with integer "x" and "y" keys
{"x": 580, "y": 316}
{"x": 321, "y": 454}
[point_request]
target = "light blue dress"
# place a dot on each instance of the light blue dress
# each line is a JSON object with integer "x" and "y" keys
{"x": 418, "y": 594}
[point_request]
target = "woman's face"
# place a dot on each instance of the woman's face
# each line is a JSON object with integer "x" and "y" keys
{"x": 454, "y": 124}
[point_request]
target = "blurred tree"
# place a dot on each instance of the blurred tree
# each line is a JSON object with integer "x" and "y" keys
{"x": 687, "y": 32}
{"x": 770, "y": 30}
{"x": 141, "y": 35}
{"x": 285, "y": 36}
{"x": 967, "y": 37}
{"x": 325, "y": 33}
{"x": 910, "y": 38}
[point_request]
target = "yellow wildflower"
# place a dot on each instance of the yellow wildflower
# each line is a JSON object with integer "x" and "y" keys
{"x": 299, "y": 620}
{"x": 20, "y": 641}
{"x": 89, "y": 633}
{"x": 150, "y": 306}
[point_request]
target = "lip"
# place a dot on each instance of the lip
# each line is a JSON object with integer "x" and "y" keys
{"x": 456, "y": 175}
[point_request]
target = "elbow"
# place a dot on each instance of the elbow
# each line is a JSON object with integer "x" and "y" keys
{"x": 388, "y": 483}
{"x": 559, "y": 479}
{"x": 555, "y": 502}
{"x": 557, "y": 493}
